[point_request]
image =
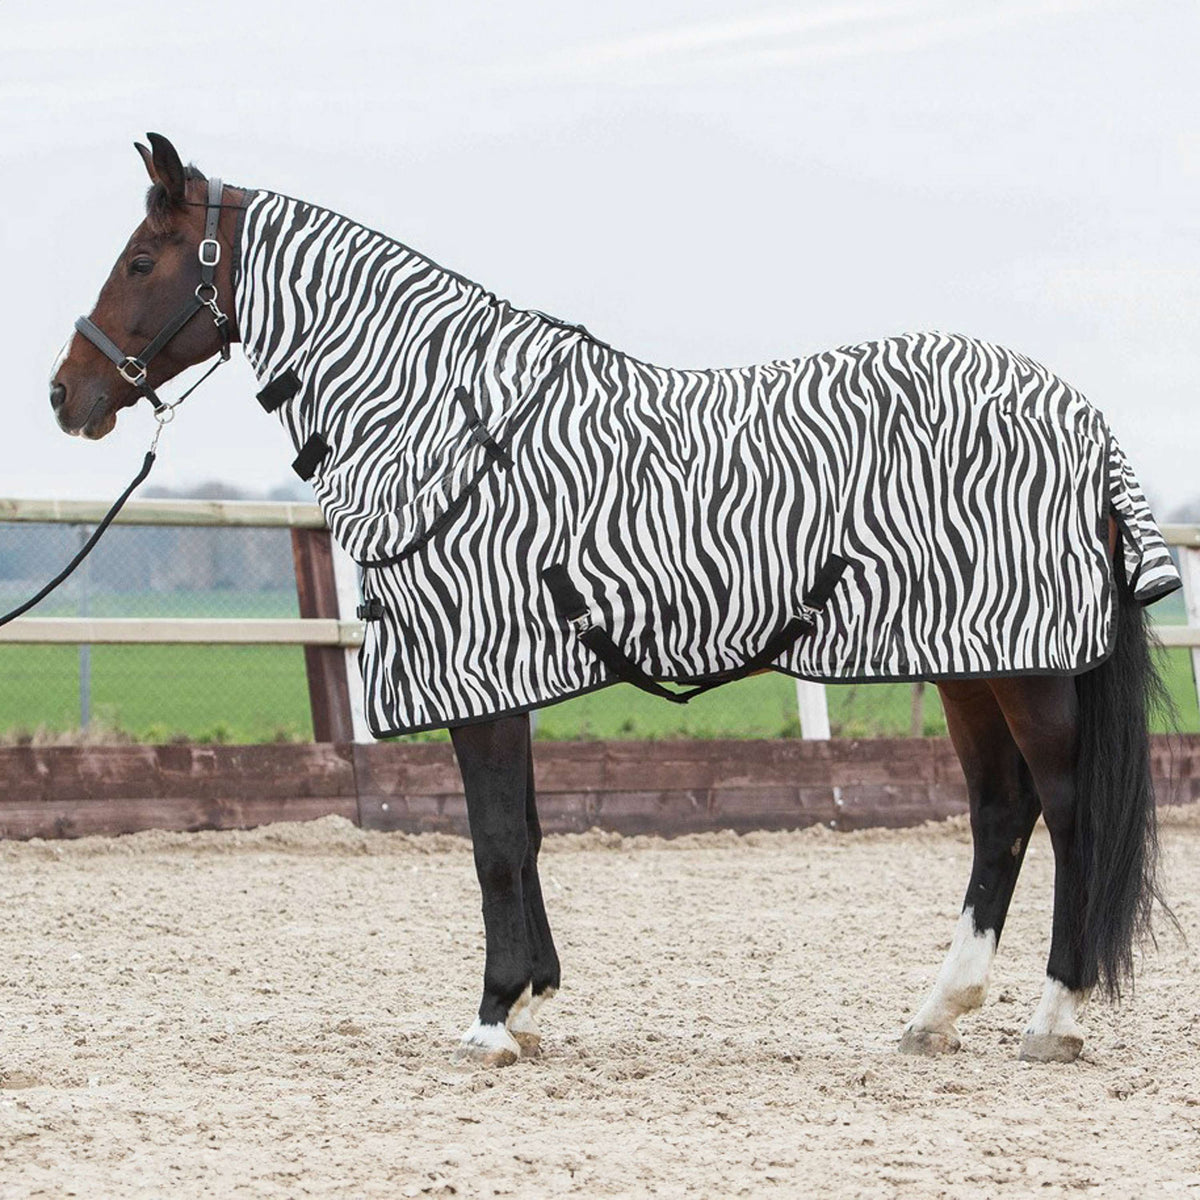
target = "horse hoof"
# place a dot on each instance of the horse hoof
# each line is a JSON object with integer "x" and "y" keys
{"x": 530, "y": 1043}
{"x": 1051, "y": 1047}
{"x": 470, "y": 1055}
{"x": 928, "y": 1043}
{"x": 487, "y": 1046}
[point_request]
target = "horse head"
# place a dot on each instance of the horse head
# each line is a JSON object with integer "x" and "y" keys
{"x": 157, "y": 280}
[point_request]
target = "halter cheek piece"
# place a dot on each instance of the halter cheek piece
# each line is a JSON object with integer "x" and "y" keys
{"x": 132, "y": 367}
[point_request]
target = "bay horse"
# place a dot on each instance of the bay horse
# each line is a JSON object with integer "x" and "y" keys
{"x": 1071, "y": 748}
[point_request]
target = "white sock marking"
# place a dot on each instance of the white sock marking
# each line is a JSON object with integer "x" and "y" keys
{"x": 491, "y": 1037}
{"x": 1058, "y": 1012}
{"x": 962, "y": 982}
{"x": 521, "y": 1021}
{"x": 521, "y": 1003}
{"x": 536, "y": 1002}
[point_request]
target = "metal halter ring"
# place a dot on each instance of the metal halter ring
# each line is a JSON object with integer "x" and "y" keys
{"x": 215, "y": 252}
{"x": 165, "y": 415}
{"x": 136, "y": 379}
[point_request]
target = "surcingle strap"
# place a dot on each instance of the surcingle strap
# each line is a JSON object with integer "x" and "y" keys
{"x": 571, "y": 606}
{"x": 306, "y": 462}
{"x": 280, "y": 390}
{"x": 479, "y": 430}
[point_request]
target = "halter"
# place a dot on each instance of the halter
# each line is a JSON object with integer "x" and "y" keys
{"x": 132, "y": 367}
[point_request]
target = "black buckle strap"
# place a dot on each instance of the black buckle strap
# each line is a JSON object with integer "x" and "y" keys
{"x": 479, "y": 430}
{"x": 371, "y": 609}
{"x": 570, "y": 605}
{"x": 310, "y": 456}
{"x": 279, "y": 391}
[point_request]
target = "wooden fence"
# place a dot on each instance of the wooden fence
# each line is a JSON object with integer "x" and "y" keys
{"x": 668, "y": 787}
{"x": 630, "y": 787}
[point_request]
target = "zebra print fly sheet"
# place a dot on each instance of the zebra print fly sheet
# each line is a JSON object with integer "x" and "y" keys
{"x": 462, "y": 448}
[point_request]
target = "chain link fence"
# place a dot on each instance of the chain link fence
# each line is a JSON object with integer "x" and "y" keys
{"x": 153, "y": 692}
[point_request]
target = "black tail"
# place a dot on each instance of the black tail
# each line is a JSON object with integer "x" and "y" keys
{"x": 1116, "y": 823}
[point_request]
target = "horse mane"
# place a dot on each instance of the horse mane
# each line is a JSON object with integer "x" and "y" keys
{"x": 159, "y": 206}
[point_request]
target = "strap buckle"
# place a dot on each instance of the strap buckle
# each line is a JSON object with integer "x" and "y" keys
{"x": 807, "y": 614}
{"x": 138, "y": 376}
{"x": 582, "y": 623}
{"x": 370, "y": 610}
{"x": 210, "y": 252}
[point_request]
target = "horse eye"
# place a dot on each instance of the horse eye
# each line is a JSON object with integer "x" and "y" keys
{"x": 142, "y": 266}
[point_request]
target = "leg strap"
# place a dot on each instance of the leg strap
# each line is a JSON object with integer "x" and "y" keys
{"x": 570, "y": 605}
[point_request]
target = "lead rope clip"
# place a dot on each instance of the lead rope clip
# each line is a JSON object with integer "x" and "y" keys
{"x": 163, "y": 416}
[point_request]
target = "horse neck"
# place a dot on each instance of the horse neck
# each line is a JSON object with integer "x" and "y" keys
{"x": 355, "y": 313}
{"x": 306, "y": 272}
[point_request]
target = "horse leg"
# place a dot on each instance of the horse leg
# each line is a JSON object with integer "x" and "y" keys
{"x": 493, "y": 757}
{"x": 1042, "y": 712}
{"x": 545, "y": 977}
{"x": 1004, "y": 808}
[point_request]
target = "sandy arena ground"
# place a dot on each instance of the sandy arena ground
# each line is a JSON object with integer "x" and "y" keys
{"x": 270, "y": 1014}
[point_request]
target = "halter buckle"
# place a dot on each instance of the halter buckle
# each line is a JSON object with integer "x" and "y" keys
{"x": 582, "y": 623}
{"x": 209, "y": 247}
{"x": 138, "y": 376}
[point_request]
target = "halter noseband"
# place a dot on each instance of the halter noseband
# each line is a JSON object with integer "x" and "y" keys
{"x": 133, "y": 367}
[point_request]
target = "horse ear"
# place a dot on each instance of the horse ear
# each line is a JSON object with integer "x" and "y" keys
{"x": 167, "y": 167}
{"x": 147, "y": 160}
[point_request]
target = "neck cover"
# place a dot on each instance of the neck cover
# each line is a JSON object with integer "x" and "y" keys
{"x": 461, "y": 448}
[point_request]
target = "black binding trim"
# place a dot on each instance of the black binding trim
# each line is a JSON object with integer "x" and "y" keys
{"x": 479, "y": 430}
{"x": 309, "y": 458}
{"x": 571, "y": 606}
{"x": 279, "y": 391}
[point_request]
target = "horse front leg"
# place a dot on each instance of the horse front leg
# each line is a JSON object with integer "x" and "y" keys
{"x": 545, "y": 977}
{"x": 494, "y": 759}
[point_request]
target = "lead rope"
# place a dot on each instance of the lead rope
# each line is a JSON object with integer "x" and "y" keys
{"x": 163, "y": 417}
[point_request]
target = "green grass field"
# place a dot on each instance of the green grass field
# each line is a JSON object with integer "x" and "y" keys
{"x": 259, "y": 693}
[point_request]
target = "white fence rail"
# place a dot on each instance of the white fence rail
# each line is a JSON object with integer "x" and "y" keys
{"x": 343, "y": 631}
{"x": 189, "y": 631}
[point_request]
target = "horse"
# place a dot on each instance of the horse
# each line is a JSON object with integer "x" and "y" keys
{"x": 1070, "y": 746}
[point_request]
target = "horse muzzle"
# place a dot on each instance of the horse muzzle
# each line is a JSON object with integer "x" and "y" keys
{"x": 98, "y": 419}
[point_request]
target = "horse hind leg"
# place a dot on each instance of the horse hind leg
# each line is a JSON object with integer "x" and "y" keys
{"x": 1042, "y": 712}
{"x": 1004, "y": 808}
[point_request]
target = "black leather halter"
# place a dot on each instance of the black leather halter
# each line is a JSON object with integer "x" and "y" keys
{"x": 133, "y": 367}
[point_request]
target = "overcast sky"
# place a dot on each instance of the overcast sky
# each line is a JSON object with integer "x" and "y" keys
{"x": 702, "y": 183}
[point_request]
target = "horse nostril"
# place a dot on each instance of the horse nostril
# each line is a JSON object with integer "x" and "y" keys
{"x": 58, "y": 396}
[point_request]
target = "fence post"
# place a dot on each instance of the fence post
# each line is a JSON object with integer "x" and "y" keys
{"x": 1189, "y": 568}
{"x": 316, "y": 589}
{"x": 345, "y": 574}
{"x": 813, "y": 710}
{"x": 916, "y": 710}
